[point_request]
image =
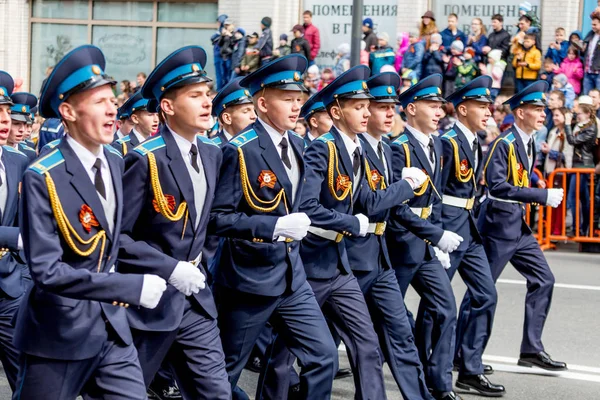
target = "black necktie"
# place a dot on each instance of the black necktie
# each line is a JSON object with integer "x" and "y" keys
{"x": 475, "y": 147}
{"x": 194, "y": 153}
{"x": 285, "y": 157}
{"x": 380, "y": 151}
{"x": 98, "y": 181}
{"x": 431, "y": 151}
{"x": 356, "y": 161}
{"x": 530, "y": 148}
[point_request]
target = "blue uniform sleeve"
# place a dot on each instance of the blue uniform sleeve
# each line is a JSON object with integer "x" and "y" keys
{"x": 44, "y": 253}
{"x": 374, "y": 202}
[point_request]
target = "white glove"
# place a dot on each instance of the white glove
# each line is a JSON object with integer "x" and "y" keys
{"x": 414, "y": 176}
{"x": 364, "y": 224}
{"x": 444, "y": 258}
{"x": 187, "y": 278}
{"x": 294, "y": 226}
{"x": 20, "y": 243}
{"x": 152, "y": 290}
{"x": 449, "y": 242}
{"x": 555, "y": 197}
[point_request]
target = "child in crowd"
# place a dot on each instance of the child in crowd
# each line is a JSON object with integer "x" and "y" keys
{"x": 572, "y": 67}
{"x": 560, "y": 82}
{"x": 251, "y": 60}
{"x": 495, "y": 69}
{"x": 557, "y": 50}
{"x": 414, "y": 56}
{"x": 547, "y": 74}
{"x": 451, "y": 68}
{"x": 403, "y": 44}
{"x": 284, "y": 49}
{"x": 432, "y": 59}
{"x": 342, "y": 63}
{"x": 527, "y": 62}
{"x": 466, "y": 68}
{"x": 326, "y": 78}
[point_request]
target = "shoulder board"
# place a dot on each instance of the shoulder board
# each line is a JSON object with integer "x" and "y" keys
{"x": 206, "y": 140}
{"x": 401, "y": 139}
{"x": 449, "y": 135}
{"x": 13, "y": 150}
{"x": 328, "y": 137}
{"x": 24, "y": 147}
{"x": 124, "y": 139}
{"x": 150, "y": 145}
{"x": 52, "y": 144}
{"x": 244, "y": 138}
{"x": 295, "y": 134}
{"x": 510, "y": 138}
{"x": 217, "y": 140}
{"x": 113, "y": 150}
{"x": 48, "y": 162}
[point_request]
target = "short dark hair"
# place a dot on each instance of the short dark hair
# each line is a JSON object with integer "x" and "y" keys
{"x": 561, "y": 95}
{"x": 142, "y": 74}
{"x": 453, "y": 15}
{"x": 307, "y": 12}
{"x": 525, "y": 18}
{"x": 498, "y": 17}
{"x": 531, "y": 36}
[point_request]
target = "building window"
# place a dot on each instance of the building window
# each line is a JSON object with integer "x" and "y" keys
{"x": 134, "y": 35}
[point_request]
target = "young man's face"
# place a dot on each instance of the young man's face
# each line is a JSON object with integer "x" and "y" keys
{"x": 477, "y": 114}
{"x": 496, "y": 25}
{"x": 238, "y": 117}
{"x": 425, "y": 115}
{"x": 595, "y": 95}
{"x": 381, "y": 120}
{"x": 559, "y": 36}
{"x": 93, "y": 114}
{"x": 596, "y": 25}
{"x": 307, "y": 19}
{"x": 282, "y": 107}
{"x": 528, "y": 42}
{"x": 499, "y": 117}
{"x": 17, "y": 132}
{"x": 5, "y": 123}
{"x": 252, "y": 40}
{"x": 524, "y": 24}
{"x": 355, "y": 115}
{"x": 531, "y": 118}
{"x": 191, "y": 106}
{"x": 452, "y": 21}
{"x": 145, "y": 122}
{"x": 140, "y": 80}
{"x": 28, "y": 131}
{"x": 554, "y": 101}
{"x": 320, "y": 123}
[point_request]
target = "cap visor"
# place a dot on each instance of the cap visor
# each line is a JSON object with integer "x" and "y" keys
{"x": 296, "y": 87}
{"x": 358, "y": 96}
{"x": 18, "y": 117}
{"x": 6, "y": 100}
{"x": 385, "y": 100}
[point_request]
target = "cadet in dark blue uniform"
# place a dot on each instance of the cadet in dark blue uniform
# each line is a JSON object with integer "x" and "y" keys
{"x": 506, "y": 236}
{"x": 335, "y": 184}
{"x": 169, "y": 183}
{"x": 315, "y": 115}
{"x": 260, "y": 276}
{"x": 51, "y": 129}
{"x": 124, "y": 123}
{"x": 234, "y": 111}
{"x": 415, "y": 228}
{"x": 30, "y": 121}
{"x": 462, "y": 165}
{"x": 368, "y": 256}
{"x": 20, "y": 113}
{"x": 73, "y": 321}
{"x": 14, "y": 277}
{"x": 142, "y": 113}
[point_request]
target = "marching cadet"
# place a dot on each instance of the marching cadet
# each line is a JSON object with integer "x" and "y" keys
{"x": 124, "y": 123}
{"x": 20, "y": 115}
{"x": 335, "y": 183}
{"x": 234, "y": 111}
{"x": 13, "y": 274}
{"x": 170, "y": 180}
{"x": 143, "y": 116}
{"x": 29, "y": 132}
{"x": 368, "y": 256}
{"x": 506, "y": 235}
{"x": 462, "y": 165}
{"x": 315, "y": 115}
{"x": 414, "y": 230}
{"x": 52, "y": 129}
{"x": 73, "y": 321}
{"x": 260, "y": 276}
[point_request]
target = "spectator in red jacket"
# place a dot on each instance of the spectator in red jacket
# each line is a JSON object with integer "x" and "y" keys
{"x": 311, "y": 34}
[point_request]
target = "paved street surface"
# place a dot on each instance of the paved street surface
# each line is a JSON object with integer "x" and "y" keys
{"x": 571, "y": 335}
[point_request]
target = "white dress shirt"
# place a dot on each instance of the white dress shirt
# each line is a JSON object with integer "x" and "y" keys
{"x": 352, "y": 145}
{"x": 228, "y": 136}
{"x": 4, "y": 187}
{"x": 470, "y": 139}
{"x": 88, "y": 159}
{"x": 374, "y": 143}
{"x": 526, "y": 138}
{"x": 139, "y": 136}
{"x": 423, "y": 140}
{"x": 293, "y": 173}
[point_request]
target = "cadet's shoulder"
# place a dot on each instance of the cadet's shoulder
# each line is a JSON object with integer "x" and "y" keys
{"x": 113, "y": 151}
{"x": 51, "y": 145}
{"x": 328, "y": 137}
{"x": 205, "y": 140}
{"x": 400, "y": 140}
{"x": 150, "y": 145}
{"x": 296, "y": 137}
{"x": 507, "y": 137}
{"x": 243, "y": 138}
{"x": 451, "y": 134}
{"x": 47, "y": 162}
{"x": 124, "y": 139}
{"x": 12, "y": 150}
{"x": 217, "y": 140}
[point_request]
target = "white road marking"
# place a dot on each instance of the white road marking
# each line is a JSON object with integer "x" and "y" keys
{"x": 556, "y": 285}
{"x": 576, "y": 372}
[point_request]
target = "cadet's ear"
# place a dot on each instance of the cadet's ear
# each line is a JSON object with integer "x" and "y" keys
{"x": 67, "y": 111}
{"x": 226, "y": 118}
{"x": 411, "y": 109}
{"x": 166, "y": 106}
{"x": 134, "y": 118}
{"x": 260, "y": 103}
{"x": 462, "y": 109}
{"x": 313, "y": 122}
{"x": 335, "y": 112}
{"x": 519, "y": 113}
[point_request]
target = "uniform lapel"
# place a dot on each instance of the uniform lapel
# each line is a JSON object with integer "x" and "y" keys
{"x": 342, "y": 152}
{"x": 372, "y": 157}
{"x": 419, "y": 153}
{"x": 221, "y": 135}
{"x": 298, "y": 148}
{"x": 206, "y": 158}
{"x": 271, "y": 156}
{"x": 117, "y": 180}
{"x": 133, "y": 139}
{"x": 521, "y": 149}
{"x": 12, "y": 180}
{"x": 466, "y": 147}
{"x": 180, "y": 173}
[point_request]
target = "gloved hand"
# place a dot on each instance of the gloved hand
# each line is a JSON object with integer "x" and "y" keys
{"x": 414, "y": 176}
{"x": 187, "y": 278}
{"x": 444, "y": 258}
{"x": 364, "y": 224}
{"x": 555, "y": 197}
{"x": 449, "y": 242}
{"x": 152, "y": 290}
{"x": 294, "y": 226}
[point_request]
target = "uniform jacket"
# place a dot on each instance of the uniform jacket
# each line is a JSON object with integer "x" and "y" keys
{"x": 51, "y": 129}
{"x": 126, "y": 144}
{"x": 28, "y": 151}
{"x": 63, "y": 315}
{"x": 533, "y": 58}
{"x": 153, "y": 244}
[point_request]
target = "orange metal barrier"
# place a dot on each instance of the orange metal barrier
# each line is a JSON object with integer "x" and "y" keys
{"x": 548, "y": 237}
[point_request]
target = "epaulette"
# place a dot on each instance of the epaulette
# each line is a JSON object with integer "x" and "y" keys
{"x": 48, "y": 162}
{"x": 13, "y": 150}
{"x": 295, "y": 134}
{"x": 328, "y": 137}
{"x": 52, "y": 144}
{"x": 449, "y": 135}
{"x": 25, "y": 147}
{"x": 124, "y": 139}
{"x": 244, "y": 138}
{"x": 150, "y": 145}
{"x": 510, "y": 138}
{"x": 217, "y": 140}
{"x": 113, "y": 150}
{"x": 206, "y": 140}
{"x": 401, "y": 139}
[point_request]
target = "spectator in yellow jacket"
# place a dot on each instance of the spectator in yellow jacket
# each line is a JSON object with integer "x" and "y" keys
{"x": 527, "y": 62}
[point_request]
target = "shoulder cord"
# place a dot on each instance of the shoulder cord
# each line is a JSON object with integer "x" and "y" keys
{"x": 333, "y": 163}
{"x": 369, "y": 180}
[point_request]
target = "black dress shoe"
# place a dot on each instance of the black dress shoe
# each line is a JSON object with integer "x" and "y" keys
{"x": 446, "y": 395}
{"x": 164, "y": 393}
{"x": 480, "y": 384}
{"x": 343, "y": 373}
{"x": 254, "y": 364}
{"x": 487, "y": 369}
{"x": 541, "y": 360}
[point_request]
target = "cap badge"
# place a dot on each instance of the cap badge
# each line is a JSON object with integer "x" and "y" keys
{"x": 23, "y": 109}
{"x": 390, "y": 90}
{"x": 246, "y": 92}
{"x": 96, "y": 70}
{"x": 439, "y": 91}
{"x": 487, "y": 92}
{"x": 364, "y": 85}
{"x": 2, "y": 92}
{"x": 195, "y": 68}
{"x": 296, "y": 76}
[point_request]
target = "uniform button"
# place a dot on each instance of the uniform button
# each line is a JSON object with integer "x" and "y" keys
{"x": 289, "y": 249}
{"x": 115, "y": 303}
{"x": 121, "y": 304}
{"x": 126, "y": 305}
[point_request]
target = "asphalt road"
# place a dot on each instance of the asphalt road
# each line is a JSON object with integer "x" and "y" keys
{"x": 572, "y": 334}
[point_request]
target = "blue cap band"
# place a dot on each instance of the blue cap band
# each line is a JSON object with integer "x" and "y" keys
{"x": 427, "y": 91}
{"x": 233, "y": 97}
{"x": 21, "y": 109}
{"x": 290, "y": 77}
{"x": 170, "y": 79}
{"x": 383, "y": 91}
{"x": 350, "y": 87}
{"x": 535, "y": 96}
{"x": 76, "y": 78}
{"x": 143, "y": 103}
{"x": 315, "y": 107}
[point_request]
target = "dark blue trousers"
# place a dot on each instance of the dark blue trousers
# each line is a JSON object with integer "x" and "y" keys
{"x": 114, "y": 374}
{"x": 525, "y": 255}
{"x": 300, "y": 325}
{"x": 9, "y": 356}
{"x": 431, "y": 282}
{"x": 344, "y": 306}
{"x": 194, "y": 352}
